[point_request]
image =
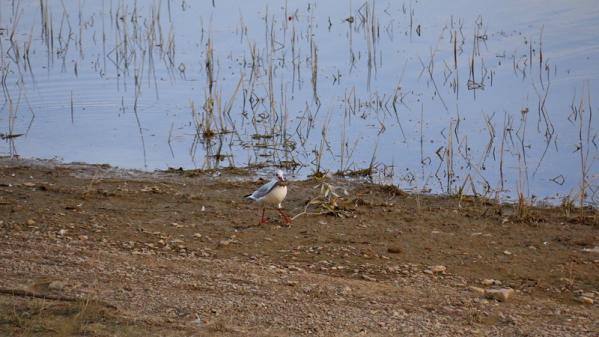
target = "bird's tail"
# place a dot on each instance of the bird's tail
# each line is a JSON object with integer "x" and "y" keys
{"x": 249, "y": 196}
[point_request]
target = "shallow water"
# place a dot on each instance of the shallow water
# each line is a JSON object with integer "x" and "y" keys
{"x": 321, "y": 86}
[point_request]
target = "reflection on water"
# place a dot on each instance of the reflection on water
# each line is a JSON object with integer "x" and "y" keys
{"x": 493, "y": 99}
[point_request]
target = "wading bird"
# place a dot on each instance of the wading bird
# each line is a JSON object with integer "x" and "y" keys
{"x": 272, "y": 193}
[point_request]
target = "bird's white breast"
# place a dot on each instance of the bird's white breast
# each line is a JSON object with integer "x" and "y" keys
{"x": 276, "y": 196}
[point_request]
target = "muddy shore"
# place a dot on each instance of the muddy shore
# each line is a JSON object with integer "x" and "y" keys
{"x": 94, "y": 250}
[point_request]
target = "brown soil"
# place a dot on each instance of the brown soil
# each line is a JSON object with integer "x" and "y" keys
{"x": 97, "y": 251}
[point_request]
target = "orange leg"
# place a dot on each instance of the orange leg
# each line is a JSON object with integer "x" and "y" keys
{"x": 263, "y": 220}
{"x": 284, "y": 216}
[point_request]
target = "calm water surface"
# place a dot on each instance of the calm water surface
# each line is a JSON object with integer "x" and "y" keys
{"x": 491, "y": 96}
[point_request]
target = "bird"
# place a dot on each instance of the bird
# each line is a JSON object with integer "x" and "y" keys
{"x": 272, "y": 193}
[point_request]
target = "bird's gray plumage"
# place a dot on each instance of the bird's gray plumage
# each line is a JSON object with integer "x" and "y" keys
{"x": 263, "y": 190}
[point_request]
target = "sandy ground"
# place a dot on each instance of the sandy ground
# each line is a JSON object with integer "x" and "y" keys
{"x": 96, "y": 251}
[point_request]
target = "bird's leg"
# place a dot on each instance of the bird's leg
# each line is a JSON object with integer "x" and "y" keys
{"x": 284, "y": 216}
{"x": 263, "y": 220}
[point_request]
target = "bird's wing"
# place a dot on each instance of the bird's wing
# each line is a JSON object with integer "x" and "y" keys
{"x": 264, "y": 189}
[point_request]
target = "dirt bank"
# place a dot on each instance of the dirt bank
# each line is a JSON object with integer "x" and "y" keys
{"x": 129, "y": 253}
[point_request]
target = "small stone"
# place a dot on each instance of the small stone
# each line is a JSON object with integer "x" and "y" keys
{"x": 507, "y": 252}
{"x": 197, "y": 235}
{"x": 346, "y": 290}
{"x": 56, "y": 285}
{"x": 62, "y": 232}
{"x": 223, "y": 243}
{"x": 394, "y": 250}
{"x": 197, "y": 322}
{"x": 477, "y": 290}
{"x": 428, "y": 271}
{"x": 30, "y": 222}
{"x": 591, "y": 250}
{"x": 368, "y": 278}
{"x": 438, "y": 269}
{"x": 292, "y": 283}
{"x": 490, "y": 282}
{"x": 566, "y": 280}
{"x": 584, "y": 300}
{"x": 500, "y": 295}
{"x": 83, "y": 237}
{"x": 398, "y": 313}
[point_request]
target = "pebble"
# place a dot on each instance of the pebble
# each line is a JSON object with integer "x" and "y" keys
{"x": 584, "y": 300}
{"x": 83, "y": 237}
{"x": 30, "y": 222}
{"x": 56, "y": 285}
{"x": 490, "y": 282}
{"x": 477, "y": 290}
{"x": 368, "y": 278}
{"x": 394, "y": 250}
{"x": 198, "y": 321}
{"x": 295, "y": 268}
{"x": 566, "y": 280}
{"x": 438, "y": 269}
{"x": 500, "y": 295}
{"x": 591, "y": 250}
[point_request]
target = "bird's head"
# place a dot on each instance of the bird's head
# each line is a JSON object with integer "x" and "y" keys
{"x": 280, "y": 175}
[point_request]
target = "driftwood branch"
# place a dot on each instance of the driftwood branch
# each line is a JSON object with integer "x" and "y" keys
{"x": 27, "y": 293}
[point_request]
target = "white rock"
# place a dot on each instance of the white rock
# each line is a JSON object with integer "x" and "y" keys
{"x": 584, "y": 300}
{"x": 346, "y": 290}
{"x": 490, "y": 282}
{"x": 591, "y": 250}
{"x": 56, "y": 285}
{"x": 197, "y": 322}
{"x": 500, "y": 295}
{"x": 477, "y": 290}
